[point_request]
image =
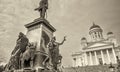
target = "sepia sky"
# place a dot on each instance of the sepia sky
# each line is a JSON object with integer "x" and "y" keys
{"x": 71, "y": 18}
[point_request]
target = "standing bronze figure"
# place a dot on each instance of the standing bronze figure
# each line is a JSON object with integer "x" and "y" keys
{"x": 54, "y": 52}
{"x": 43, "y": 6}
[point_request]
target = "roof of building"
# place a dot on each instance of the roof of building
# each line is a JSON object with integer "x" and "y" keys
{"x": 109, "y": 33}
{"x": 83, "y": 38}
{"x": 77, "y": 53}
{"x": 97, "y": 44}
{"x": 94, "y": 26}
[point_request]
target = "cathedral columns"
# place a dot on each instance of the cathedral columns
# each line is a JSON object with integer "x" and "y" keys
{"x": 86, "y": 60}
{"x": 113, "y": 51}
{"x": 96, "y": 58}
{"x": 108, "y": 55}
{"x": 102, "y": 56}
{"x": 92, "y": 36}
{"x": 105, "y": 57}
{"x": 91, "y": 62}
{"x": 97, "y": 35}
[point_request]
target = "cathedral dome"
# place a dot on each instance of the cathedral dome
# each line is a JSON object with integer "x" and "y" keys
{"x": 96, "y": 32}
{"x": 109, "y": 33}
{"x": 94, "y": 26}
{"x": 83, "y": 38}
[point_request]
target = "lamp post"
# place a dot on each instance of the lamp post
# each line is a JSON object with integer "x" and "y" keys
{"x": 111, "y": 68}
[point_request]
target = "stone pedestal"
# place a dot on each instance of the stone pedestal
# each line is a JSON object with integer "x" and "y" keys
{"x": 40, "y": 32}
{"x": 9, "y": 71}
{"x": 24, "y": 71}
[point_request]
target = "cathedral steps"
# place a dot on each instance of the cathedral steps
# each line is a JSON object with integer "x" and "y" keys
{"x": 97, "y": 68}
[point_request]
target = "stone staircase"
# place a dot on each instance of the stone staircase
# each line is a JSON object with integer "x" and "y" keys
{"x": 98, "y": 68}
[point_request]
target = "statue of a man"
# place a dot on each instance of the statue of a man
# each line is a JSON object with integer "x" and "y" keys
{"x": 43, "y": 6}
{"x": 21, "y": 44}
{"x": 20, "y": 48}
{"x": 54, "y": 52}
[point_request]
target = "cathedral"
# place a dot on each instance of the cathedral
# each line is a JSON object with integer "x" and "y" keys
{"x": 97, "y": 51}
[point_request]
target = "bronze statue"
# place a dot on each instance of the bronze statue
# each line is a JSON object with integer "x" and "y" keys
{"x": 43, "y": 6}
{"x": 28, "y": 55}
{"x": 118, "y": 60}
{"x": 20, "y": 48}
{"x": 54, "y": 52}
{"x": 118, "y": 64}
{"x": 22, "y": 42}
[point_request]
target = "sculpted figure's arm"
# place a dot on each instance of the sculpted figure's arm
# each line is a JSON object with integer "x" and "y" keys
{"x": 63, "y": 40}
{"x": 50, "y": 46}
{"x": 47, "y": 4}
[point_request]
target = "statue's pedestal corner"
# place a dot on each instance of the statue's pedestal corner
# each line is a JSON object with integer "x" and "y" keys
{"x": 25, "y": 70}
{"x": 39, "y": 69}
{"x": 41, "y": 19}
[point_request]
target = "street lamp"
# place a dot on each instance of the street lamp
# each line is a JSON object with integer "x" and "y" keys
{"x": 111, "y": 68}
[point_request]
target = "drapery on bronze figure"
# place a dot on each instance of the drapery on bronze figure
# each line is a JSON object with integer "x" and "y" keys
{"x": 43, "y": 6}
{"x": 54, "y": 52}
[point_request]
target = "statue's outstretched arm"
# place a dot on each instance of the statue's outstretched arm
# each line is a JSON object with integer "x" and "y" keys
{"x": 63, "y": 40}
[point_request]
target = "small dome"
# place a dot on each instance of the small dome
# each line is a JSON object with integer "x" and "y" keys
{"x": 83, "y": 38}
{"x": 94, "y": 26}
{"x": 109, "y": 33}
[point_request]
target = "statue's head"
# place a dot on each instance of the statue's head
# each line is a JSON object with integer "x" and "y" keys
{"x": 53, "y": 39}
{"x": 21, "y": 34}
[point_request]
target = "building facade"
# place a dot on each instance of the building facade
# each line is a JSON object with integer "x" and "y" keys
{"x": 99, "y": 50}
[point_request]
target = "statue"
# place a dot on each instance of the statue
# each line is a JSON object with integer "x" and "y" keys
{"x": 28, "y": 56}
{"x": 54, "y": 52}
{"x": 118, "y": 60}
{"x": 20, "y": 48}
{"x": 118, "y": 64}
{"x": 13, "y": 63}
{"x": 43, "y": 6}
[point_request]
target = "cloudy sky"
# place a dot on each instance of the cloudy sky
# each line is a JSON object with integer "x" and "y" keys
{"x": 72, "y": 18}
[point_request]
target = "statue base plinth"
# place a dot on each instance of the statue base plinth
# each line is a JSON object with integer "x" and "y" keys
{"x": 25, "y": 70}
{"x": 9, "y": 71}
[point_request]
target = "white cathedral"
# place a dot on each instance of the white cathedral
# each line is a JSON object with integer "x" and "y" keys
{"x": 99, "y": 50}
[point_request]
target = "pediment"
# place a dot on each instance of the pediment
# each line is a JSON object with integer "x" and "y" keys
{"x": 98, "y": 44}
